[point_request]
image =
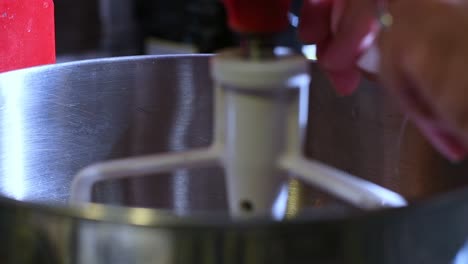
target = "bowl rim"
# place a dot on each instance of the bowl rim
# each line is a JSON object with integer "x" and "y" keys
{"x": 165, "y": 219}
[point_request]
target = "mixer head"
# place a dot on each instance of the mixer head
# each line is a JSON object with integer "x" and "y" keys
{"x": 258, "y": 16}
{"x": 257, "y": 23}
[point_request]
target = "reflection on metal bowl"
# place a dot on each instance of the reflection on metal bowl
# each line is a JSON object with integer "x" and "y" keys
{"x": 58, "y": 119}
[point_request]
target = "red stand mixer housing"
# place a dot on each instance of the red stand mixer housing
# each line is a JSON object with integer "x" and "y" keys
{"x": 27, "y": 34}
{"x": 260, "y": 16}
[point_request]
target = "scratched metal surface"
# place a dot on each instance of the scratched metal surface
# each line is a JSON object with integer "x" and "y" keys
{"x": 55, "y": 122}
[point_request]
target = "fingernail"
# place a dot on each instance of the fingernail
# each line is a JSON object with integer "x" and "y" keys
{"x": 370, "y": 60}
{"x": 345, "y": 83}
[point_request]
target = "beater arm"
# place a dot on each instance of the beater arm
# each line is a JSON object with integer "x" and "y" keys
{"x": 84, "y": 181}
{"x": 356, "y": 191}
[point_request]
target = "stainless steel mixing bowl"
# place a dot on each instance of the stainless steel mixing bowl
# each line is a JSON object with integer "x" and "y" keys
{"x": 58, "y": 119}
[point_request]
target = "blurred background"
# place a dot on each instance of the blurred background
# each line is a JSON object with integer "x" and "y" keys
{"x": 106, "y": 28}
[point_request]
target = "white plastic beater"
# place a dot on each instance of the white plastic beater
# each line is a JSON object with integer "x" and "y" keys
{"x": 258, "y": 140}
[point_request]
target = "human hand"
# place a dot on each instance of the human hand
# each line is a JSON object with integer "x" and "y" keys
{"x": 420, "y": 59}
{"x": 342, "y": 31}
{"x": 423, "y": 63}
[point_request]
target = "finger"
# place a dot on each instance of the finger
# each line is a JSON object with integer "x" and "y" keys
{"x": 338, "y": 10}
{"x": 438, "y": 71}
{"x": 434, "y": 90}
{"x": 407, "y": 88}
{"x": 350, "y": 39}
{"x": 314, "y": 26}
{"x": 402, "y": 58}
{"x": 450, "y": 99}
{"x": 345, "y": 82}
{"x": 405, "y": 70}
{"x": 444, "y": 141}
{"x": 424, "y": 115}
